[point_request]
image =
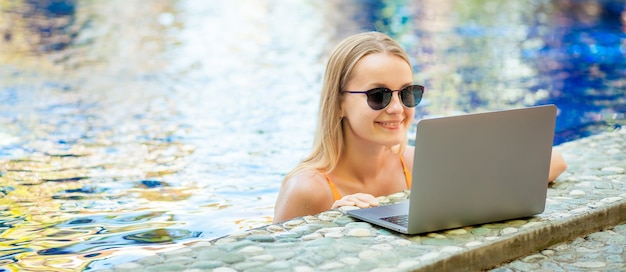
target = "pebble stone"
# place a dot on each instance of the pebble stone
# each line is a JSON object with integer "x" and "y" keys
{"x": 509, "y": 230}
{"x": 333, "y": 241}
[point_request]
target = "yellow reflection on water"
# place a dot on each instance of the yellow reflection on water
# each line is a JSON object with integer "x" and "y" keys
{"x": 63, "y": 263}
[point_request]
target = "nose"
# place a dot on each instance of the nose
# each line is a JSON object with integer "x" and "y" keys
{"x": 395, "y": 105}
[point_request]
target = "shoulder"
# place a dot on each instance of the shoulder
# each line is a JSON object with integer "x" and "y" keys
{"x": 305, "y": 193}
{"x": 305, "y": 181}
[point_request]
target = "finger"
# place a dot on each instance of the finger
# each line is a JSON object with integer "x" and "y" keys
{"x": 342, "y": 202}
{"x": 361, "y": 204}
{"x": 366, "y": 198}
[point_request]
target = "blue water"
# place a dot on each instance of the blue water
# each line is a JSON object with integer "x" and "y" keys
{"x": 569, "y": 53}
{"x": 132, "y": 127}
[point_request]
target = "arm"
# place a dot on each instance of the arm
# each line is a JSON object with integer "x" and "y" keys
{"x": 557, "y": 165}
{"x": 306, "y": 193}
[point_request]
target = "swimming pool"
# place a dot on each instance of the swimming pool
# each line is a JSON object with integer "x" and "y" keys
{"x": 128, "y": 128}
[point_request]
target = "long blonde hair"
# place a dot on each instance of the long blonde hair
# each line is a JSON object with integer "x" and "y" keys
{"x": 328, "y": 142}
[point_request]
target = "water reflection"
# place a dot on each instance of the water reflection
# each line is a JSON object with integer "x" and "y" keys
{"x": 473, "y": 57}
{"x": 130, "y": 128}
{"x": 581, "y": 60}
{"x": 39, "y": 26}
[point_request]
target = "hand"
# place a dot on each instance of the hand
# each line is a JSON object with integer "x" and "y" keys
{"x": 360, "y": 200}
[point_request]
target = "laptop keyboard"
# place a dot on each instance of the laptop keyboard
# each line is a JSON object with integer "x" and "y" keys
{"x": 402, "y": 220}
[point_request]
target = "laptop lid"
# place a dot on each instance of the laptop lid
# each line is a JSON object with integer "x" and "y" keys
{"x": 477, "y": 168}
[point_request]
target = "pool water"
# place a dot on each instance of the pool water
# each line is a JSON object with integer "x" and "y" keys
{"x": 133, "y": 127}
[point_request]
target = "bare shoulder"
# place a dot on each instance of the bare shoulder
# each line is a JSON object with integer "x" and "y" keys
{"x": 305, "y": 182}
{"x": 305, "y": 193}
{"x": 409, "y": 153}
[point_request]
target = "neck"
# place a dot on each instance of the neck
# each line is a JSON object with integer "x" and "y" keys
{"x": 363, "y": 161}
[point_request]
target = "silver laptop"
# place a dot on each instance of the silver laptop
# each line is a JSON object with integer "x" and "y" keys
{"x": 473, "y": 169}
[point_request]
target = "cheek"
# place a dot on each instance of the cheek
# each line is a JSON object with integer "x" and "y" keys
{"x": 410, "y": 120}
{"x": 352, "y": 108}
{"x": 410, "y": 116}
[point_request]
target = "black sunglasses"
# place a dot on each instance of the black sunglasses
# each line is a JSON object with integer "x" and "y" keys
{"x": 379, "y": 98}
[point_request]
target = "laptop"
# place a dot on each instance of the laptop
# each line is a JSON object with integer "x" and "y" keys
{"x": 473, "y": 169}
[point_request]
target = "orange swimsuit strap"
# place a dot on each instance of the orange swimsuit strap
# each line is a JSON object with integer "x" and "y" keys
{"x": 337, "y": 195}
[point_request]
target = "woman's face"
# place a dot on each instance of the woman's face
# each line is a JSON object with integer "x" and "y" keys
{"x": 387, "y": 127}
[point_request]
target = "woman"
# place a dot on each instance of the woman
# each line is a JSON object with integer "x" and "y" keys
{"x": 360, "y": 148}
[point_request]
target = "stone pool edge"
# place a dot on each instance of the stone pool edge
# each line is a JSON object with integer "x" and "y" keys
{"x": 530, "y": 241}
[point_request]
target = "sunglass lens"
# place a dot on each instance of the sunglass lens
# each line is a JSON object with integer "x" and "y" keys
{"x": 407, "y": 97}
{"x": 378, "y": 98}
{"x": 411, "y": 96}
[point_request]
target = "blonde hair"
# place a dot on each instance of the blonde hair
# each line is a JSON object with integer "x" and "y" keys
{"x": 328, "y": 142}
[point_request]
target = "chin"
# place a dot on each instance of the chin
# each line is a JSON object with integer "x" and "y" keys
{"x": 393, "y": 143}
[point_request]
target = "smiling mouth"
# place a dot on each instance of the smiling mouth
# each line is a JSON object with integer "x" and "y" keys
{"x": 390, "y": 124}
